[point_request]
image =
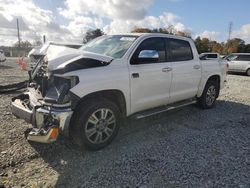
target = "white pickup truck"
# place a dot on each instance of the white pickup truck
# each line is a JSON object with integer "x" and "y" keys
{"x": 87, "y": 93}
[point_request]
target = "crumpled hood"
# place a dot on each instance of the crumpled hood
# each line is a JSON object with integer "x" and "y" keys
{"x": 59, "y": 56}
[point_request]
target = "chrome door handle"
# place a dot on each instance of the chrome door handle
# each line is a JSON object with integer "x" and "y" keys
{"x": 197, "y": 66}
{"x": 135, "y": 75}
{"x": 167, "y": 69}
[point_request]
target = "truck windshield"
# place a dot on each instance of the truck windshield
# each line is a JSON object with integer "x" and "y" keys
{"x": 114, "y": 46}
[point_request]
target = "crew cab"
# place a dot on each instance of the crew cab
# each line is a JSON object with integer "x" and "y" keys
{"x": 87, "y": 93}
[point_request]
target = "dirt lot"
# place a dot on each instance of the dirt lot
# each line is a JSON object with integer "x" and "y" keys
{"x": 188, "y": 147}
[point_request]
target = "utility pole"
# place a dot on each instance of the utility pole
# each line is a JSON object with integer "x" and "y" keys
{"x": 44, "y": 39}
{"x": 230, "y": 30}
{"x": 230, "y": 27}
{"x": 18, "y": 33}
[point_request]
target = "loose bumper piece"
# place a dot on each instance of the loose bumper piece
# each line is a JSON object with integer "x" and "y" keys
{"x": 48, "y": 136}
{"x": 47, "y": 121}
{"x": 19, "y": 108}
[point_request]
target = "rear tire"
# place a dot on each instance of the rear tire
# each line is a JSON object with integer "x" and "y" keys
{"x": 96, "y": 123}
{"x": 209, "y": 95}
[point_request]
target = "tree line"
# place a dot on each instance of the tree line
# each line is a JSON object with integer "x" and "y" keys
{"x": 235, "y": 45}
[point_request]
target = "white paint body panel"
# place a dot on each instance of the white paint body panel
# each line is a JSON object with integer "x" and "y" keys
{"x": 58, "y": 57}
{"x": 112, "y": 77}
{"x": 152, "y": 87}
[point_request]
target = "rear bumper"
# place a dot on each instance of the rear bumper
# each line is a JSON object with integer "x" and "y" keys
{"x": 41, "y": 117}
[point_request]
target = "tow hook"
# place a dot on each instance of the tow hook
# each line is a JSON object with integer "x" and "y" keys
{"x": 43, "y": 136}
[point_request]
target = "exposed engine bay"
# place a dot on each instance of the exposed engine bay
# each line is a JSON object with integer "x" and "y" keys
{"x": 48, "y": 78}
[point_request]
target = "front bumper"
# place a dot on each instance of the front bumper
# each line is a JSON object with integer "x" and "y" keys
{"x": 61, "y": 118}
{"x": 43, "y": 118}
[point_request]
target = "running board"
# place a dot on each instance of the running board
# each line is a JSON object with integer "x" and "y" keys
{"x": 159, "y": 110}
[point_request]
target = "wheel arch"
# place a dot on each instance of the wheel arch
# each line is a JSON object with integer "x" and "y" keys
{"x": 216, "y": 78}
{"x": 112, "y": 95}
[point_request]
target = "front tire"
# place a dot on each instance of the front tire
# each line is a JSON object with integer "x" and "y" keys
{"x": 209, "y": 95}
{"x": 96, "y": 124}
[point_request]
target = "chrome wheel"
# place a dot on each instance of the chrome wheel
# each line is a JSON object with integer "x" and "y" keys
{"x": 100, "y": 126}
{"x": 211, "y": 95}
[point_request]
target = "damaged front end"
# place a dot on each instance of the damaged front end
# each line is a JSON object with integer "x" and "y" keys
{"x": 47, "y": 106}
{"x": 48, "y": 103}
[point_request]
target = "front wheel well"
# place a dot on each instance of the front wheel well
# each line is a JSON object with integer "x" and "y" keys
{"x": 115, "y": 96}
{"x": 216, "y": 79}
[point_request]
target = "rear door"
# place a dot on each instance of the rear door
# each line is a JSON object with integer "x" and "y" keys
{"x": 150, "y": 81}
{"x": 186, "y": 70}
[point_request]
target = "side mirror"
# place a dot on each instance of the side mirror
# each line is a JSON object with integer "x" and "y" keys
{"x": 148, "y": 56}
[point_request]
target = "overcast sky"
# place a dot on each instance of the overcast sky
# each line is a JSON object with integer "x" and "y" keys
{"x": 68, "y": 20}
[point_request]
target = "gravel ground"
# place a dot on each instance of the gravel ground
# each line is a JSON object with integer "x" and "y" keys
{"x": 188, "y": 147}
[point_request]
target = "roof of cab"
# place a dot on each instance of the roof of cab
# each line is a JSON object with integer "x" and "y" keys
{"x": 153, "y": 34}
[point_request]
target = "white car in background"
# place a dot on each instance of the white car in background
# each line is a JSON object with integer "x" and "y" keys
{"x": 2, "y": 56}
{"x": 209, "y": 55}
{"x": 239, "y": 62}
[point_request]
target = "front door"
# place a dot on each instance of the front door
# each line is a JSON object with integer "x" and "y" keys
{"x": 150, "y": 79}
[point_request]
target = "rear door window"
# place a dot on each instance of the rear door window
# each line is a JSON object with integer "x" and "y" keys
{"x": 180, "y": 50}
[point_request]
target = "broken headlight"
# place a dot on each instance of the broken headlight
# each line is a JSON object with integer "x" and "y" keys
{"x": 58, "y": 89}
